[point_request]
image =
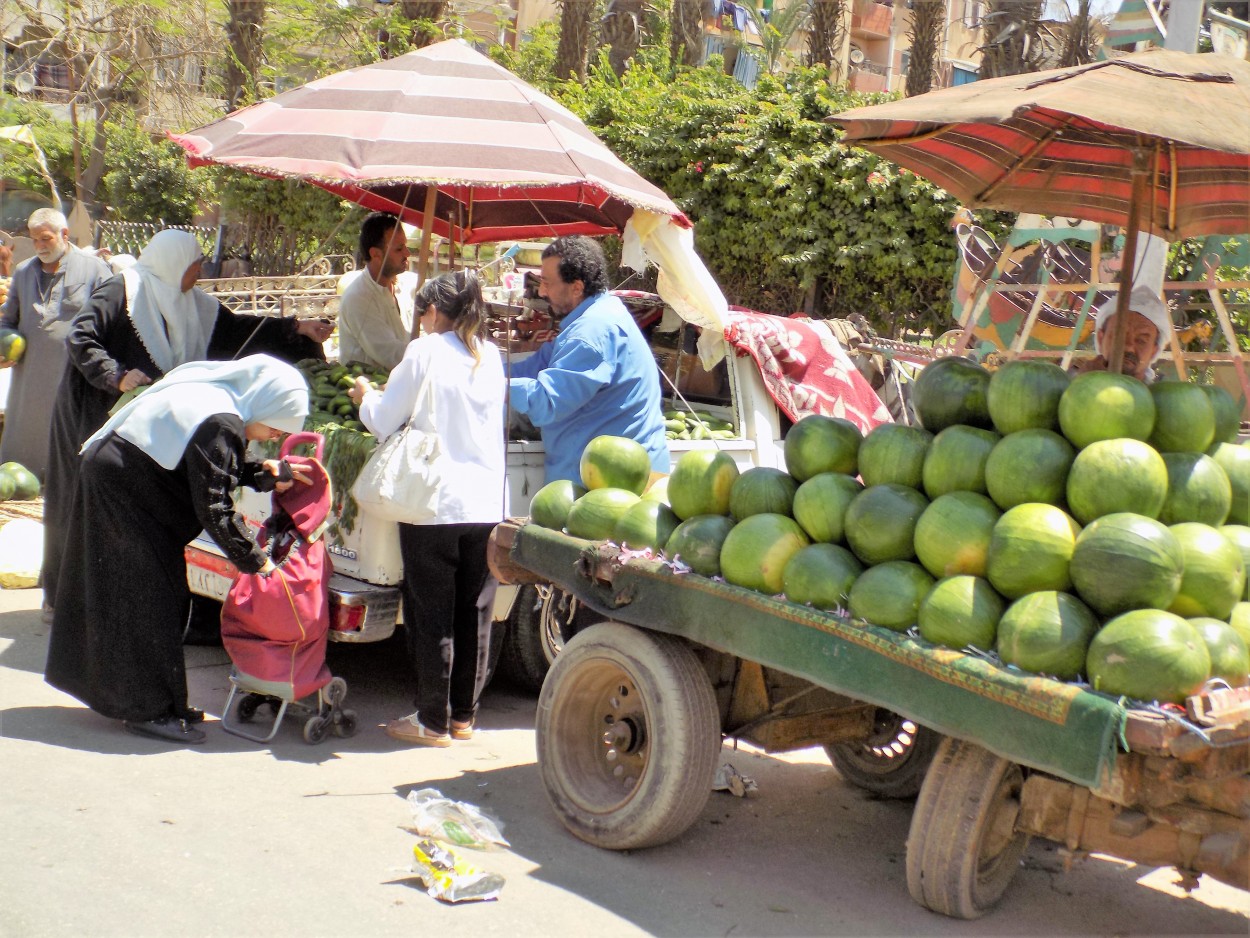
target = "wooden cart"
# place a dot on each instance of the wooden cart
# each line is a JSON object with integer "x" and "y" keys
{"x": 665, "y": 664}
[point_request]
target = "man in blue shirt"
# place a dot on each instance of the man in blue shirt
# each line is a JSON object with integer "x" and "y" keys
{"x": 597, "y": 376}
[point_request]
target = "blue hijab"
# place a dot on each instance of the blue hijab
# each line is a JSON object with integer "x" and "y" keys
{"x": 256, "y": 389}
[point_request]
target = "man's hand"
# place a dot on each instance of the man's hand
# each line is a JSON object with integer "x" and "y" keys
{"x": 5, "y": 363}
{"x": 316, "y": 329}
{"x": 132, "y": 379}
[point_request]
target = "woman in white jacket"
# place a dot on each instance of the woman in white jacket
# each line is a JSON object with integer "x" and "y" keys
{"x": 445, "y": 557}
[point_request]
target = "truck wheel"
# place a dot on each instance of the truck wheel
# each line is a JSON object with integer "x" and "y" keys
{"x": 892, "y": 762}
{"x": 203, "y": 622}
{"x": 963, "y": 848}
{"x": 542, "y": 620}
{"x": 628, "y": 735}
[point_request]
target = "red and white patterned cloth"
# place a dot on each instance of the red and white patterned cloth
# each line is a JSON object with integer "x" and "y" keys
{"x": 805, "y": 369}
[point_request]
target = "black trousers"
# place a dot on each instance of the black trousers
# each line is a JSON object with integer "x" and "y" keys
{"x": 448, "y": 641}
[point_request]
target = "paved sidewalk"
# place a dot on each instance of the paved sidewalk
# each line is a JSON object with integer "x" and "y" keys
{"x": 106, "y": 834}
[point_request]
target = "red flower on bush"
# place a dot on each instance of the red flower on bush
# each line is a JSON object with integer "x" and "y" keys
{"x": 876, "y": 180}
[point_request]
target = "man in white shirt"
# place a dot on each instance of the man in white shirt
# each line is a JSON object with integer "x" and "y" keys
{"x": 372, "y": 327}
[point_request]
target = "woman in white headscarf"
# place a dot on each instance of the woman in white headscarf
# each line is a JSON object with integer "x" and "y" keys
{"x": 155, "y": 475}
{"x": 143, "y": 322}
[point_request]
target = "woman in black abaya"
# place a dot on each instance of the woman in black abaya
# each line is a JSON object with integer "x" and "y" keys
{"x": 140, "y": 324}
{"x": 152, "y": 478}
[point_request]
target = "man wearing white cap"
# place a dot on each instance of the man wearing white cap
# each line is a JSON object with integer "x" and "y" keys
{"x": 1148, "y": 326}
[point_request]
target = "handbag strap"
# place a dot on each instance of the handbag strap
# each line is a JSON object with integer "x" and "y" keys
{"x": 425, "y": 398}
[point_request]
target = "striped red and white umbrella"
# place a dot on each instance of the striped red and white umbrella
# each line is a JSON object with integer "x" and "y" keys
{"x": 499, "y": 159}
{"x": 1064, "y": 142}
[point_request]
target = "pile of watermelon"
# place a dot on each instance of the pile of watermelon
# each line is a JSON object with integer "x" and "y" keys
{"x": 1089, "y": 529}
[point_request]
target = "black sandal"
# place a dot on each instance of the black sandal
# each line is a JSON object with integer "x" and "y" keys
{"x": 191, "y": 715}
{"x": 168, "y": 729}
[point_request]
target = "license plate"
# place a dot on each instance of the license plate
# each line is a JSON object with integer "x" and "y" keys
{"x": 209, "y": 575}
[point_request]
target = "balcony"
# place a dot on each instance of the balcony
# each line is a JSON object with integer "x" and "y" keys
{"x": 872, "y": 19}
{"x": 869, "y": 76}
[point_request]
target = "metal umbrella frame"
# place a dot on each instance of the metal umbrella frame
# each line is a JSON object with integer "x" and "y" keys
{"x": 1156, "y": 141}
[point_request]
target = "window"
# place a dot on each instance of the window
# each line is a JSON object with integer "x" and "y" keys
{"x": 962, "y": 76}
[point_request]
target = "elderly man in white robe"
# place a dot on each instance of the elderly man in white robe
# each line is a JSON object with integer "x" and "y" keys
{"x": 46, "y": 293}
{"x": 1144, "y": 338}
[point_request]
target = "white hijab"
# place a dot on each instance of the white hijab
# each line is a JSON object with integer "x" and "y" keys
{"x": 162, "y": 419}
{"x": 174, "y": 326}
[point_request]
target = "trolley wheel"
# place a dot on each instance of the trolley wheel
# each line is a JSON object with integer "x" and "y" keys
{"x": 335, "y": 692}
{"x": 248, "y": 705}
{"x": 963, "y": 847}
{"x": 316, "y": 728}
{"x": 891, "y": 762}
{"x": 628, "y": 735}
{"x": 346, "y": 724}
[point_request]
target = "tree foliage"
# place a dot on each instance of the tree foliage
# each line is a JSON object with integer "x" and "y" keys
{"x": 148, "y": 179}
{"x": 785, "y": 215}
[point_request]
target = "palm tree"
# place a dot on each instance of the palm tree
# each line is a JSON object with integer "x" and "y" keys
{"x": 621, "y": 30}
{"x": 825, "y": 36}
{"x": 577, "y": 27}
{"x": 686, "y": 38}
{"x": 776, "y": 32}
{"x": 1012, "y": 43}
{"x": 1080, "y": 42}
{"x": 245, "y": 26}
{"x": 928, "y": 17}
{"x": 426, "y": 15}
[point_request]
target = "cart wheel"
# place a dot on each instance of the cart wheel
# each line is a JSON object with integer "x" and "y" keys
{"x": 315, "y": 729}
{"x": 963, "y": 848}
{"x": 248, "y": 705}
{"x": 346, "y": 724}
{"x": 628, "y": 735}
{"x": 335, "y": 692}
{"x": 892, "y": 762}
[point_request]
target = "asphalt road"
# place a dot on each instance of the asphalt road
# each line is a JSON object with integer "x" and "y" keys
{"x": 106, "y": 834}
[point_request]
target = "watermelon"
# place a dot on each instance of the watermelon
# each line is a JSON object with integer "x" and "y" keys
{"x": 1214, "y": 577}
{"x": 1028, "y": 466}
{"x": 1239, "y": 536}
{"x": 880, "y": 523}
{"x": 1031, "y": 549}
{"x": 1184, "y": 418}
{"x": 615, "y": 462}
{"x": 956, "y": 460}
{"x": 550, "y": 506}
{"x": 1127, "y": 561}
{"x": 697, "y": 543}
{"x": 1148, "y": 654}
{"x": 12, "y": 345}
{"x": 7, "y": 487}
{"x": 819, "y": 444}
{"x": 25, "y": 484}
{"x": 657, "y": 491}
{"x": 820, "y": 505}
{"x": 1102, "y": 405}
{"x": 594, "y": 516}
{"x": 1047, "y": 633}
{"x": 894, "y": 453}
{"x": 821, "y": 575}
{"x": 1024, "y": 395}
{"x": 757, "y": 550}
{"x": 1227, "y": 413}
{"x": 960, "y": 611}
{"x": 1198, "y": 490}
{"x": 1235, "y": 461}
{"x": 1240, "y": 621}
{"x": 648, "y": 524}
{"x": 761, "y": 490}
{"x": 700, "y": 483}
{"x": 890, "y": 594}
{"x": 1230, "y": 658}
{"x": 1112, "y": 476}
{"x": 953, "y": 534}
{"x": 951, "y": 391}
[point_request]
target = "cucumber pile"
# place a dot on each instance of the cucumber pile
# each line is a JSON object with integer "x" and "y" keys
{"x": 697, "y": 425}
{"x": 328, "y": 384}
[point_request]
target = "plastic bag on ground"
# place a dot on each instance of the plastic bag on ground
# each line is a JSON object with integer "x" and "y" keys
{"x": 453, "y": 821}
{"x": 450, "y": 878}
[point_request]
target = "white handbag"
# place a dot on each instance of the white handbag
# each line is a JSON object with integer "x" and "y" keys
{"x": 401, "y": 480}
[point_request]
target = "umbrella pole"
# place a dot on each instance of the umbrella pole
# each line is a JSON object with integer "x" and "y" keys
{"x": 1141, "y": 169}
{"x": 427, "y": 232}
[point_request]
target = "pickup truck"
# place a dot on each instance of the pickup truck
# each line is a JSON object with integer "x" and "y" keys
{"x": 367, "y": 565}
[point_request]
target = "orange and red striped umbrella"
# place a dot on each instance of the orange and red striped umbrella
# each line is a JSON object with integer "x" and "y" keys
{"x": 504, "y": 159}
{"x": 1062, "y": 142}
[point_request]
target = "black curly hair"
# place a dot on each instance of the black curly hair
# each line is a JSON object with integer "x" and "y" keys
{"x": 582, "y": 259}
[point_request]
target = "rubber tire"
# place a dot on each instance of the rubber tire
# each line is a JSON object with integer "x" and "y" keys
{"x": 963, "y": 850}
{"x": 316, "y": 728}
{"x": 671, "y": 714}
{"x": 865, "y": 765}
{"x": 529, "y": 647}
{"x": 346, "y": 725}
{"x": 247, "y": 706}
